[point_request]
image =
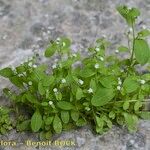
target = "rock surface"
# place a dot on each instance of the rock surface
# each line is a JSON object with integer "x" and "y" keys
{"x": 27, "y": 26}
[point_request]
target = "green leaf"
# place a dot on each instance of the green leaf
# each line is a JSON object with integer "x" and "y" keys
{"x": 49, "y": 120}
{"x": 58, "y": 96}
{"x": 50, "y": 50}
{"x": 123, "y": 49}
{"x": 20, "y": 69}
{"x": 93, "y": 85}
{"x": 99, "y": 122}
{"x": 79, "y": 94}
{"x": 57, "y": 124}
{"x": 123, "y": 10}
{"x": 137, "y": 105}
{"x": 48, "y": 81}
{"x": 48, "y": 135}
{"x": 130, "y": 85}
{"x": 65, "y": 116}
{"x": 6, "y": 72}
{"x": 142, "y": 51}
{"x": 16, "y": 81}
{"x": 126, "y": 105}
{"x": 24, "y": 125}
{"x": 31, "y": 98}
{"x": 129, "y": 14}
{"x": 41, "y": 88}
{"x": 36, "y": 121}
{"x": 65, "y": 105}
{"x": 66, "y": 43}
{"x": 102, "y": 96}
{"x": 145, "y": 115}
{"x": 131, "y": 121}
{"x": 144, "y": 33}
{"x": 44, "y": 103}
{"x": 74, "y": 115}
{"x": 86, "y": 72}
{"x": 112, "y": 115}
{"x": 107, "y": 81}
{"x": 81, "y": 122}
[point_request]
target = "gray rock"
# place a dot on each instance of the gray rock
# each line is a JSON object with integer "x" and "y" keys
{"x": 26, "y": 27}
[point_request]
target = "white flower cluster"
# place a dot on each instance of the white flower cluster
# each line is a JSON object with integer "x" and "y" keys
{"x": 87, "y": 108}
{"x": 116, "y": 51}
{"x": 81, "y": 82}
{"x": 30, "y": 82}
{"x": 101, "y": 58}
{"x": 90, "y": 90}
{"x": 54, "y": 66}
{"x": 74, "y": 55}
{"x": 142, "y": 81}
{"x": 119, "y": 84}
{"x": 57, "y": 40}
{"x": 96, "y": 66}
{"x": 97, "y": 49}
{"x": 55, "y": 90}
{"x": 50, "y": 103}
{"x": 30, "y": 64}
{"x": 63, "y": 44}
{"x": 63, "y": 81}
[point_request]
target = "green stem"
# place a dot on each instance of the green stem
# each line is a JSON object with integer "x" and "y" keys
{"x": 133, "y": 34}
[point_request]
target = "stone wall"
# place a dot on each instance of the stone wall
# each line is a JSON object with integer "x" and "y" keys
{"x": 26, "y": 27}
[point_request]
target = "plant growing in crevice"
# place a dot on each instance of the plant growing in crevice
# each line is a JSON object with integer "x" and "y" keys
{"x": 102, "y": 91}
{"x": 5, "y": 121}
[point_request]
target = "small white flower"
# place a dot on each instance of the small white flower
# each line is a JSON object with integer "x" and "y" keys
{"x": 57, "y": 42}
{"x": 101, "y": 58}
{"x": 81, "y": 82}
{"x": 54, "y": 66}
{"x": 50, "y": 103}
{"x": 96, "y": 66}
{"x": 120, "y": 82}
{"x": 58, "y": 39}
{"x": 116, "y": 51}
{"x": 119, "y": 79}
{"x": 130, "y": 29}
{"x": 63, "y": 44}
{"x": 90, "y": 90}
{"x": 30, "y": 82}
{"x": 87, "y": 108}
{"x": 34, "y": 66}
{"x": 97, "y": 49}
{"x": 63, "y": 81}
{"x": 74, "y": 55}
{"x": 55, "y": 90}
{"x": 118, "y": 87}
{"x": 142, "y": 81}
{"x": 144, "y": 27}
{"x": 30, "y": 64}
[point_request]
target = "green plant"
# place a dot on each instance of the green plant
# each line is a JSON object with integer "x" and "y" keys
{"x": 5, "y": 121}
{"x": 101, "y": 91}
